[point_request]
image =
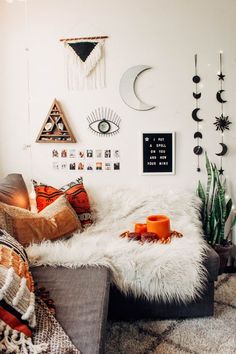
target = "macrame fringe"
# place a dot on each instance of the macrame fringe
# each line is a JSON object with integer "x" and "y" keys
{"x": 14, "y": 342}
{"x": 89, "y": 74}
{"x": 7, "y": 283}
{"x": 20, "y": 292}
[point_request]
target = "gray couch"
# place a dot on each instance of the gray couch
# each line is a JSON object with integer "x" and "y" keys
{"x": 81, "y": 297}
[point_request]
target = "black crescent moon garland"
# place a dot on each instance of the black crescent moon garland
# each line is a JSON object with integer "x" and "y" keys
{"x": 198, "y": 150}
{"x": 222, "y": 122}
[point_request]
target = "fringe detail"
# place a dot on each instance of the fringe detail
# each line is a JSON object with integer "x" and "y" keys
{"x": 14, "y": 342}
{"x": 20, "y": 292}
{"x": 7, "y": 283}
{"x": 30, "y": 310}
{"x": 89, "y": 74}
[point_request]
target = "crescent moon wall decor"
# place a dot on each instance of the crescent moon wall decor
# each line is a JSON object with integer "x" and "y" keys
{"x": 218, "y": 96}
{"x": 224, "y": 150}
{"x": 127, "y": 88}
{"x": 222, "y": 122}
{"x": 194, "y": 115}
{"x": 197, "y": 95}
{"x": 197, "y": 150}
{"x": 197, "y": 135}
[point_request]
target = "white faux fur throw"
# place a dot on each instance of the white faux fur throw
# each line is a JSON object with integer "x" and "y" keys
{"x": 155, "y": 271}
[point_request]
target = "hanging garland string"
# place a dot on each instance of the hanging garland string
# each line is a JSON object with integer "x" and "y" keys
{"x": 222, "y": 122}
{"x": 198, "y": 150}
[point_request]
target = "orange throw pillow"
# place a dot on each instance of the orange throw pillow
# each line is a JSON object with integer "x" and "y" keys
{"x": 55, "y": 221}
{"x": 75, "y": 193}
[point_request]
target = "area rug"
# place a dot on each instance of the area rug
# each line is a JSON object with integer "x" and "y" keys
{"x": 216, "y": 335}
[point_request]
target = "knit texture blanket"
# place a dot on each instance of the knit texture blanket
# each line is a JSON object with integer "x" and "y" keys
{"x": 152, "y": 270}
{"x": 50, "y": 332}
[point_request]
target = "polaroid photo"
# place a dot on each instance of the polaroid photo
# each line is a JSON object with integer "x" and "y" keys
{"x": 55, "y": 153}
{"x": 72, "y": 153}
{"x": 98, "y": 165}
{"x": 63, "y": 166}
{"x": 55, "y": 165}
{"x": 116, "y": 165}
{"x": 107, "y": 166}
{"x": 116, "y": 154}
{"x": 89, "y": 167}
{"x": 98, "y": 153}
{"x": 81, "y": 154}
{"x": 80, "y": 166}
{"x": 107, "y": 154}
{"x": 64, "y": 153}
{"x": 89, "y": 153}
{"x": 72, "y": 166}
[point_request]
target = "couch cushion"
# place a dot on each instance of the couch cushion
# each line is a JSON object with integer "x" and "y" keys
{"x": 81, "y": 299}
{"x": 212, "y": 264}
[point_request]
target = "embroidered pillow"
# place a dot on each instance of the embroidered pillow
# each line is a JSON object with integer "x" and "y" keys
{"x": 13, "y": 191}
{"x": 17, "y": 299}
{"x": 75, "y": 193}
{"x": 56, "y": 221}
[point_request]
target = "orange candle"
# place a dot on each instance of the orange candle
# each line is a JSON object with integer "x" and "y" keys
{"x": 160, "y": 224}
{"x": 140, "y": 228}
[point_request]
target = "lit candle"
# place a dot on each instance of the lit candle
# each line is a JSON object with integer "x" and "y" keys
{"x": 159, "y": 224}
{"x": 140, "y": 228}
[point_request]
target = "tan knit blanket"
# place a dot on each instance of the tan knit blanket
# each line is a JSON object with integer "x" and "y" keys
{"x": 49, "y": 331}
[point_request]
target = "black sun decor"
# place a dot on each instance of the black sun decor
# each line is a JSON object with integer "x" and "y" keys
{"x": 222, "y": 123}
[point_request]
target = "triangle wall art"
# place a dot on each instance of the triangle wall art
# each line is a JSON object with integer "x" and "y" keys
{"x": 55, "y": 128}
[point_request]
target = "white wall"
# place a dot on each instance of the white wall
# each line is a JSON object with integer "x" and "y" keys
{"x": 164, "y": 34}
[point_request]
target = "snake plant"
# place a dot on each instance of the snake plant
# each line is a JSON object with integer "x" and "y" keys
{"x": 215, "y": 209}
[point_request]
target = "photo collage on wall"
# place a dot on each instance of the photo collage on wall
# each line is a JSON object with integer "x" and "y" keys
{"x": 86, "y": 159}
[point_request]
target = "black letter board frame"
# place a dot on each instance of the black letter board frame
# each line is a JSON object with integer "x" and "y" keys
{"x": 158, "y": 153}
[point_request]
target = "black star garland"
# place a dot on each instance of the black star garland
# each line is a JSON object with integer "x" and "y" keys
{"x": 222, "y": 122}
{"x": 221, "y": 76}
{"x": 197, "y": 150}
{"x": 221, "y": 171}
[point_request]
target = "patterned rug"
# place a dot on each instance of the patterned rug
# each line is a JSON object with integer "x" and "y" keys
{"x": 216, "y": 335}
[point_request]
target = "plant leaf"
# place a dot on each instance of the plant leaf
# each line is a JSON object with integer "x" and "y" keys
{"x": 228, "y": 208}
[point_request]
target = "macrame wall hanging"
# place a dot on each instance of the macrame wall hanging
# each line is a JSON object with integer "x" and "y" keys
{"x": 222, "y": 122}
{"x": 198, "y": 150}
{"x": 85, "y": 62}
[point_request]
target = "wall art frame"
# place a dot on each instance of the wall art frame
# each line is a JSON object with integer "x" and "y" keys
{"x": 158, "y": 153}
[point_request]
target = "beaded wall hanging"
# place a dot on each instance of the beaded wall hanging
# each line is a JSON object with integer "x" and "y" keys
{"x": 198, "y": 150}
{"x": 222, "y": 122}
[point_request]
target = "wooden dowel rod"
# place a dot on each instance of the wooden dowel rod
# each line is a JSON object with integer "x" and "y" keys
{"x": 82, "y": 38}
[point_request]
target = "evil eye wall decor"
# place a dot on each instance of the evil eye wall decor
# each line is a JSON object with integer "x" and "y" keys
{"x": 104, "y": 121}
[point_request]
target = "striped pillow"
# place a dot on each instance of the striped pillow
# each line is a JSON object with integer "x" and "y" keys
{"x": 17, "y": 299}
{"x": 75, "y": 193}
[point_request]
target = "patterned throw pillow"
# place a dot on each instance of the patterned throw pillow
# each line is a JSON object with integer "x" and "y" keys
{"x": 75, "y": 193}
{"x": 17, "y": 299}
{"x": 56, "y": 221}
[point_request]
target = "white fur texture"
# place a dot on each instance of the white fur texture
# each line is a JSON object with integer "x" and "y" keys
{"x": 155, "y": 271}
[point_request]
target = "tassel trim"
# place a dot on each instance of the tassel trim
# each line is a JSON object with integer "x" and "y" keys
{"x": 7, "y": 283}
{"x": 14, "y": 342}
